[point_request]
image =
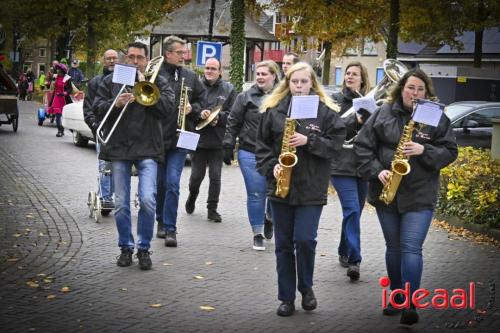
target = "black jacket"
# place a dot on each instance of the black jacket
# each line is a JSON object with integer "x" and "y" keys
{"x": 196, "y": 95}
{"x": 138, "y": 135}
{"x": 344, "y": 163}
{"x": 375, "y": 146}
{"x": 88, "y": 114}
{"x": 220, "y": 92}
{"x": 310, "y": 176}
{"x": 244, "y": 119}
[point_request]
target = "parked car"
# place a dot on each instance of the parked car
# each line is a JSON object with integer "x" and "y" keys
{"x": 72, "y": 120}
{"x": 471, "y": 122}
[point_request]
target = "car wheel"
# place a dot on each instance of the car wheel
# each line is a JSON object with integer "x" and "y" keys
{"x": 79, "y": 140}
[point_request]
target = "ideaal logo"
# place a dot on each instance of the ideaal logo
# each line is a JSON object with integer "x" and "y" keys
{"x": 440, "y": 299}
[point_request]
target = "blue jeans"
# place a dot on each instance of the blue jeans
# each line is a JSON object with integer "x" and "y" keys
{"x": 295, "y": 232}
{"x": 404, "y": 236}
{"x": 255, "y": 185}
{"x": 147, "y": 193}
{"x": 169, "y": 177}
{"x": 352, "y": 195}
{"x": 105, "y": 181}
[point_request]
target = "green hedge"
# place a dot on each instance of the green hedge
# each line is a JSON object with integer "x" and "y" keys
{"x": 470, "y": 188}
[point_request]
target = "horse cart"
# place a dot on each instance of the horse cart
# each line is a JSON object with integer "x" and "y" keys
{"x": 8, "y": 101}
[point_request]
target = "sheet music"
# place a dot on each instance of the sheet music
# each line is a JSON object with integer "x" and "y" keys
{"x": 428, "y": 112}
{"x": 368, "y": 103}
{"x": 188, "y": 140}
{"x": 124, "y": 74}
{"x": 304, "y": 107}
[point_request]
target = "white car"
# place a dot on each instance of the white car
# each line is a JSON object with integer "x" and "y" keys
{"x": 72, "y": 120}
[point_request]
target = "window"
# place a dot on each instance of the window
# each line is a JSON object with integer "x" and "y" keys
{"x": 41, "y": 52}
{"x": 27, "y": 54}
{"x": 338, "y": 76}
{"x": 369, "y": 48}
{"x": 379, "y": 74}
{"x": 351, "y": 51}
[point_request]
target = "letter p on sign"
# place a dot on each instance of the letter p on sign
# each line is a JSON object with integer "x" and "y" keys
{"x": 206, "y": 50}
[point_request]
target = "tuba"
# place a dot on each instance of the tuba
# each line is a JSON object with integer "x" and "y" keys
{"x": 394, "y": 71}
{"x": 183, "y": 103}
{"x": 287, "y": 159}
{"x": 145, "y": 93}
{"x": 399, "y": 165}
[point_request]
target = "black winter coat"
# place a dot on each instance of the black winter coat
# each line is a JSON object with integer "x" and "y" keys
{"x": 375, "y": 146}
{"x": 310, "y": 176}
{"x": 344, "y": 163}
{"x": 138, "y": 135}
{"x": 196, "y": 95}
{"x": 220, "y": 92}
{"x": 243, "y": 120}
{"x": 88, "y": 114}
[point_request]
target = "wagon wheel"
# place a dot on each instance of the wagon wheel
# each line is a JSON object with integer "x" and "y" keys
{"x": 14, "y": 120}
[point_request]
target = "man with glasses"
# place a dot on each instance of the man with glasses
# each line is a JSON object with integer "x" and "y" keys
{"x": 169, "y": 174}
{"x": 209, "y": 151}
{"x": 109, "y": 59}
{"x": 137, "y": 140}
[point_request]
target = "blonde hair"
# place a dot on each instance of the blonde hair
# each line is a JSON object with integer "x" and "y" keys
{"x": 272, "y": 67}
{"x": 283, "y": 89}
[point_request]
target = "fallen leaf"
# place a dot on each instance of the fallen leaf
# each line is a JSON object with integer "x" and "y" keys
{"x": 199, "y": 277}
{"x": 208, "y": 263}
{"x": 32, "y": 284}
{"x": 16, "y": 235}
{"x": 47, "y": 280}
{"x": 124, "y": 289}
{"x": 323, "y": 254}
{"x": 13, "y": 259}
{"x": 41, "y": 274}
{"x": 207, "y": 308}
{"x": 29, "y": 216}
{"x": 51, "y": 296}
{"x": 167, "y": 264}
{"x": 65, "y": 289}
{"x": 40, "y": 234}
{"x": 27, "y": 229}
{"x": 157, "y": 305}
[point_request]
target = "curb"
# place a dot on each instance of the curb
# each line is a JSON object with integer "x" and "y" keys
{"x": 479, "y": 228}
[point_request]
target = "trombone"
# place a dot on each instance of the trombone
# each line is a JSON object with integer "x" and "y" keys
{"x": 145, "y": 93}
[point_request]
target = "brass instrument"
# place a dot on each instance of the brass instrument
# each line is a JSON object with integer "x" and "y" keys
{"x": 287, "y": 159}
{"x": 145, "y": 93}
{"x": 399, "y": 166}
{"x": 183, "y": 103}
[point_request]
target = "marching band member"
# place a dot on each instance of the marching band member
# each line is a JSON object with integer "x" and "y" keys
{"x": 209, "y": 151}
{"x": 296, "y": 216}
{"x": 242, "y": 124}
{"x": 170, "y": 171}
{"x": 137, "y": 140}
{"x": 351, "y": 188}
{"x": 289, "y": 59}
{"x": 406, "y": 220}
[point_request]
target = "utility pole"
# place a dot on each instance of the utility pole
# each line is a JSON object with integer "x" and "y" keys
{"x": 211, "y": 21}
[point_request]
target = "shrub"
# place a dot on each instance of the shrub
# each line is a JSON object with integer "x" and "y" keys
{"x": 470, "y": 188}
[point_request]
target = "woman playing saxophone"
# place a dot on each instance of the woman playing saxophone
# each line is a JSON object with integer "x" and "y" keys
{"x": 296, "y": 212}
{"x": 406, "y": 219}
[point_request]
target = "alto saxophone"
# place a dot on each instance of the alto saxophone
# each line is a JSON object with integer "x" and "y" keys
{"x": 287, "y": 159}
{"x": 399, "y": 166}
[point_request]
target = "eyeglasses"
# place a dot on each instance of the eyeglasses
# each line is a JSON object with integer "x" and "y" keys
{"x": 133, "y": 57}
{"x": 179, "y": 52}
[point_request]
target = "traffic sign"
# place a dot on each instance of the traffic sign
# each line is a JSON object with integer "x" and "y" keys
{"x": 206, "y": 50}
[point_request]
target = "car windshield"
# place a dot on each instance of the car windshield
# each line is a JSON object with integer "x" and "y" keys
{"x": 456, "y": 111}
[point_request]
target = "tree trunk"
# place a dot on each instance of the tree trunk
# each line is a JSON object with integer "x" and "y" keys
{"x": 478, "y": 48}
{"x": 91, "y": 42}
{"x": 392, "y": 43}
{"x": 326, "y": 63}
{"x": 237, "y": 41}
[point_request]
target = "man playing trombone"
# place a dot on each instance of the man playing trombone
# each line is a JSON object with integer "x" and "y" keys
{"x": 136, "y": 140}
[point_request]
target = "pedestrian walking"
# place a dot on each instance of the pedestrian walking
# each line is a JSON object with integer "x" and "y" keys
{"x": 296, "y": 214}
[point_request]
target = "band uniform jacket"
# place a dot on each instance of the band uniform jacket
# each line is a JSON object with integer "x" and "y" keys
{"x": 138, "y": 135}
{"x": 196, "y": 95}
{"x": 310, "y": 176}
{"x": 220, "y": 92}
{"x": 243, "y": 120}
{"x": 88, "y": 114}
{"x": 376, "y": 144}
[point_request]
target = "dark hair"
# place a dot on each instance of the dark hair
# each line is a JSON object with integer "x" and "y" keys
{"x": 295, "y": 56}
{"x": 365, "y": 81}
{"x": 138, "y": 45}
{"x": 395, "y": 94}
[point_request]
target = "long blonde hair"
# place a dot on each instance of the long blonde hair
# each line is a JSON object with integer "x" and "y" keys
{"x": 283, "y": 89}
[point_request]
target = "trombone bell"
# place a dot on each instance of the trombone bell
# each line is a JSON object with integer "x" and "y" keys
{"x": 146, "y": 93}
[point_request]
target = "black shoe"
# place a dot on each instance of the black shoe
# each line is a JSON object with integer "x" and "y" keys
{"x": 268, "y": 229}
{"x": 258, "y": 242}
{"x": 190, "y": 203}
{"x": 214, "y": 216}
{"x": 390, "y": 310}
{"x": 171, "y": 239}
{"x": 160, "y": 232}
{"x": 59, "y": 134}
{"x": 286, "y": 308}
{"x": 353, "y": 271}
{"x": 309, "y": 301}
{"x": 144, "y": 259}
{"x": 125, "y": 258}
{"x": 108, "y": 204}
{"x": 409, "y": 316}
{"x": 343, "y": 260}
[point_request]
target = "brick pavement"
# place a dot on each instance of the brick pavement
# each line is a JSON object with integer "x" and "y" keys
{"x": 43, "y": 187}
